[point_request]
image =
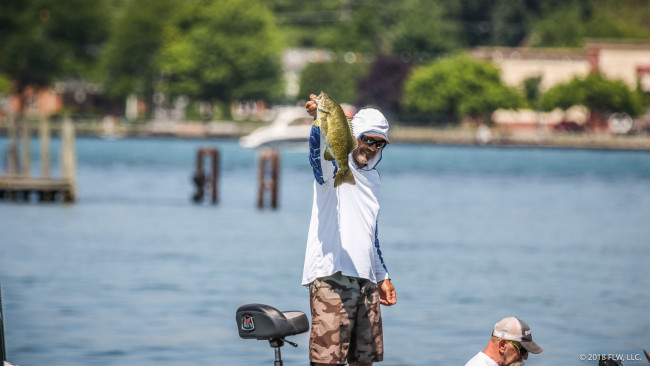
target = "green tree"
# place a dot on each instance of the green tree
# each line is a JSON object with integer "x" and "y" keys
{"x": 46, "y": 40}
{"x": 618, "y": 19}
{"x": 568, "y": 24}
{"x": 412, "y": 27}
{"x": 454, "y": 88}
{"x": 338, "y": 79}
{"x": 5, "y": 85}
{"x": 425, "y": 29}
{"x": 367, "y": 26}
{"x": 383, "y": 85}
{"x": 474, "y": 19}
{"x": 511, "y": 21}
{"x": 363, "y": 26}
{"x": 305, "y": 23}
{"x": 562, "y": 28}
{"x": 422, "y": 30}
{"x": 221, "y": 50}
{"x": 599, "y": 95}
{"x": 532, "y": 91}
{"x": 129, "y": 59}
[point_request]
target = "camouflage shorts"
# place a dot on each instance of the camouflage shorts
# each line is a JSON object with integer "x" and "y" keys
{"x": 346, "y": 321}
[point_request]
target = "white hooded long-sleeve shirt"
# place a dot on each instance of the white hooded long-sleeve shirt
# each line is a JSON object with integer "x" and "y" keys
{"x": 343, "y": 228}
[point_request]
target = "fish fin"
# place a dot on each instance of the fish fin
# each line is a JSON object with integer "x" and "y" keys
{"x": 344, "y": 176}
{"x": 323, "y": 125}
{"x": 646, "y": 355}
{"x": 354, "y": 142}
{"x": 322, "y": 121}
{"x": 328, "y": 155}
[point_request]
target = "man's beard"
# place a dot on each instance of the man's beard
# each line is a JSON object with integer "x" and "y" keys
{"x": 362, "y": 159}
{"x": 516, "y": 363}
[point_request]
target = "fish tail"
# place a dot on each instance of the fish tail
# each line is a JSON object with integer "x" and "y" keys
{"x": 344, "y": 176}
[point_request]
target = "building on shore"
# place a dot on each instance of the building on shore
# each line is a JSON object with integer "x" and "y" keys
{"x": 627, "y": 61}
{"x": 623, "y": 60}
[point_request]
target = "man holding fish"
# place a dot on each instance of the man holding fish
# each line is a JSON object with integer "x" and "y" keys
{"x": 344, "y": 268}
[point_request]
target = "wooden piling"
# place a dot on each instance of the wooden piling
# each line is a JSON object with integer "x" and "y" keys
{"x": 269, "y": 167}
{"x": 201, "y": 180}
{"x": 69, "y": 159}
{"x": 44, "y": 137}
{"x": 25, "y": 150}
{"x": 12, "y": 151}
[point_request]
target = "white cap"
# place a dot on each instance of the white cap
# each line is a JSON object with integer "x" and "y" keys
{"x": 515, "y": 329}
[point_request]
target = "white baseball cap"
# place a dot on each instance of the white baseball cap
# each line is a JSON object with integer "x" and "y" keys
{"x": 515, "y": 329}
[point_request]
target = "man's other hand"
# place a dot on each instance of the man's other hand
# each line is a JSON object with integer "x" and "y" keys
{"x": 387, "y": 294}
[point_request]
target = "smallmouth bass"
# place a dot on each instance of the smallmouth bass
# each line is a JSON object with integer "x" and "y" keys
{"x": 337, "y": 131}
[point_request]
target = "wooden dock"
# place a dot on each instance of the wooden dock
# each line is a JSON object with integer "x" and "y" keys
{"x": 17, "y": 185}
{"x": 45, "y": 189}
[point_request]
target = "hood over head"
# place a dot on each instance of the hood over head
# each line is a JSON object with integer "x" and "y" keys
{"x": 371, "y": 122}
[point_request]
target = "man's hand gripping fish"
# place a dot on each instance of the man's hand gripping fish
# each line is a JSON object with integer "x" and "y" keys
{"x": 337, "y": 131}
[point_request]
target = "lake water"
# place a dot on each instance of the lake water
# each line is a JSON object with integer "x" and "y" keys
{"x": 136, "y": 274}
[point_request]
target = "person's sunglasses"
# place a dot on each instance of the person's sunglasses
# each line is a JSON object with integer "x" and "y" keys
{"x": 521, "y": 349}
{"x": 371, "y": 141}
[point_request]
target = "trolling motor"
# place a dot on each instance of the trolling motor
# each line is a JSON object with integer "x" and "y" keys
{"x": 263, "y": 322}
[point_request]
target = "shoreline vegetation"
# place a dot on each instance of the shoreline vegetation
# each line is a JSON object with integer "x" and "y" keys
{"x": 462, "y": 136}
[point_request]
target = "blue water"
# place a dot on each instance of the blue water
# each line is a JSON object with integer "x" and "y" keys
{"x": 136, "y": 274}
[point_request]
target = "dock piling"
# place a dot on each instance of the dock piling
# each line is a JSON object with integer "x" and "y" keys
{"x": 44, "y": 136}
{"x": 201, "y": 180}
{"x": 12, "y": 151}
{"x": 269, "y": 167}
{"x": 25, "y": 150}
{"x": 69, "y": 159}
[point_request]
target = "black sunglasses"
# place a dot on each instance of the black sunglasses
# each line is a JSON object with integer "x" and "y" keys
{"x": 371, "y": 141}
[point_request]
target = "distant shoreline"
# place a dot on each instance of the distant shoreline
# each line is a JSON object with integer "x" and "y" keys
{"x": 399, "y": 134}
{"x": 523, "y": 138}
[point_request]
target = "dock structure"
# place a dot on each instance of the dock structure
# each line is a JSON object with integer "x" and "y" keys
{"x": 269, "y": 167}
{"x": 202, "y": 180}
{"x": 47, "y": 189}
{"x": 18, "y": 185}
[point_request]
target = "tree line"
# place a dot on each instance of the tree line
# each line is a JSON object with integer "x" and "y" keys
{"x": 407, "y": 53}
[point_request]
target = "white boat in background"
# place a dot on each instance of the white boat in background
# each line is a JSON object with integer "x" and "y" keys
{"x": 291, "y": 125}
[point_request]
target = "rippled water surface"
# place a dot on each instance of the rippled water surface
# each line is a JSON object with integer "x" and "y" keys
{"x": 136, "y": 274}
